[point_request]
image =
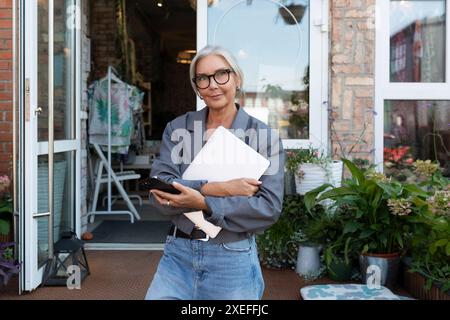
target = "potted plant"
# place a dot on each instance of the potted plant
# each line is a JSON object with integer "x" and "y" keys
{"x": 278, "y": 246}
{"x": 312, "y": 169}
{"x": 380, "y": 210}
{"x": 292, "y": 13}
{"x": 341, "y": 249}
{"x": 427, "y": 265}
{"x": 310, "y": 238}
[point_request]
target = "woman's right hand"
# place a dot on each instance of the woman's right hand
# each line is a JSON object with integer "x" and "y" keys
{"x": 236, "y": 187}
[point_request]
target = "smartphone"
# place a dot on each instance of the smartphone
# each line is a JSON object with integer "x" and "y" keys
{"x": 159, "y": 184}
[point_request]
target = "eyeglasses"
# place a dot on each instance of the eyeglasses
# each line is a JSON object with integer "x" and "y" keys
{"x": 221, "y": 77}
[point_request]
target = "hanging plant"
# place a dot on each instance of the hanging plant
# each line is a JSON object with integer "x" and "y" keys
{"x": 293, "y": 13}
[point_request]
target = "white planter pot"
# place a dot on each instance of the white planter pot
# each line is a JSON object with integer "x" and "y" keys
{"x": 308, "y": 261}
{"x": 314, "y": 175}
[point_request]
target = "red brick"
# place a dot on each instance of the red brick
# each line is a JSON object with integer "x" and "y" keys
{"x": 6, "y": 14}
{"x": 5, "y": 127}
{"x": 5, "y": 34}
{"x": 6, "y": 4}
{"x": 6, "y": 137}
{"x": 6, "y": 55}
{"x": 6, "y": 75}
{"x": 8, "y": 147}
{"x": 6, "y": 86}
{"x": 6, "y": 24}
{"x": 5, "y": 96}
{"x": 5, "y": 44}
{"x": 5, "y": 65}
{"x": 7, "y": 116}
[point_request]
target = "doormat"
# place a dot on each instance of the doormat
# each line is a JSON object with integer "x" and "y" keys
{"x": 126, "y": 232}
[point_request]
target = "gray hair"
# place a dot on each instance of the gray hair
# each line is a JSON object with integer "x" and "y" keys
{"x": 221, "y": 52}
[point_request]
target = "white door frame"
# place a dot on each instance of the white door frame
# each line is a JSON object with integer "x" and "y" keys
{"x": 319, "y": 67}
{"x": 31, "y": 273}
{"x": 386, "y": 90}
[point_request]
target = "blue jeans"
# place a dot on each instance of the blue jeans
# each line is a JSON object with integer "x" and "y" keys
{"x": 197, "y": 270}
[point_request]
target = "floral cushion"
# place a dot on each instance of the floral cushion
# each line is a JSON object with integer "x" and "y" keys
{"x": 347, "y": 292}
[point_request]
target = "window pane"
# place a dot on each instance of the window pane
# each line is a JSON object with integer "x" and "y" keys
{"x": 64, "y": 73}
{"x": 271, "y": 43}
{"x": 63, "y": 199}
{"x": 415, "y": 130}
{"x": 417, "y": 38}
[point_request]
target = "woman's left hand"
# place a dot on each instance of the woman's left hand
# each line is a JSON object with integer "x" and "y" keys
{"x": 188, "y": 198}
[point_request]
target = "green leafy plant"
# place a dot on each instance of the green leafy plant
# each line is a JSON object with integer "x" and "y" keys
{"x": 379, "y": 222}
{"x": 278, "y": 245}
{"x": 296, "y": 157}
{"x": 430, "y": 249}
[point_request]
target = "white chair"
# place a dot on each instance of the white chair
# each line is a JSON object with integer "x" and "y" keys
{"x": 117, "y": 178}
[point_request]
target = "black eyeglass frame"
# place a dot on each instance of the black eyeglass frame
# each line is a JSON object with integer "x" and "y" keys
{"x": 228, "y": 71}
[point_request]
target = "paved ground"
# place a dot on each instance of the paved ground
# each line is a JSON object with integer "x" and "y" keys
{"x": 125, "y": 275}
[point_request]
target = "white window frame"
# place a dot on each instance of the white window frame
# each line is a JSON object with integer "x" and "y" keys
{"x": 386, "y": 90}
{"x": 318, "y": 121}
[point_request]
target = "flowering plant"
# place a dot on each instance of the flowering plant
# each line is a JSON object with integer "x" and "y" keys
{"x": 397, "y": 162}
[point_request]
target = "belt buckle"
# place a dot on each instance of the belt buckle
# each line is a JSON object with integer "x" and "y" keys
{"x": 206, "y": 239}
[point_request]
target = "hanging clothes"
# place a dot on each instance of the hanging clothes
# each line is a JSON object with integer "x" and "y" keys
{"x": 124, "y": 100}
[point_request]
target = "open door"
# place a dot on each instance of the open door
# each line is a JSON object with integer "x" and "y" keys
{"x": 49, "y": 140}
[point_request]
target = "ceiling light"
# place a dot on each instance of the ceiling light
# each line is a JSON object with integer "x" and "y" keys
{"x": 186, "y": 56}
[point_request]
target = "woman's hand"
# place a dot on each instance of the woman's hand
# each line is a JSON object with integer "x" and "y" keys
{"x": 237, "y": 187}
{"x": 188, "y": 198}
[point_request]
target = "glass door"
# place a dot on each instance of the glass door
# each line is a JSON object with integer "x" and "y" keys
{"x": 51, "y": 137}
{"x": 282, "y": 49}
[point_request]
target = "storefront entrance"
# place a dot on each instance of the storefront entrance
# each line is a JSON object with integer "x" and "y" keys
{"x": 66, "y": 45}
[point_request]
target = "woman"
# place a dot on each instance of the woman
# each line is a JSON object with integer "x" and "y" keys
{"x": 226, "y": 267}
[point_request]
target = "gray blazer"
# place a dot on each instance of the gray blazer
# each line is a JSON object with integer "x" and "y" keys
{"x": 239, "y": 216}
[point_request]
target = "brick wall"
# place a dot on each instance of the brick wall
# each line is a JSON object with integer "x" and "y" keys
{"x": 6, "y": 87}
{"x": 352, "y": 77}
{"x": 104, "y": 31}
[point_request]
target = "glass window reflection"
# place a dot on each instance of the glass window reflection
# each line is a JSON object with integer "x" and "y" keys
{"x": 417, "y": 41}
{"x": 415, "y": 130}
{"x": 271, "y": 42}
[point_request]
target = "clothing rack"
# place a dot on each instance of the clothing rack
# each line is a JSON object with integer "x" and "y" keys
{"x": 111, "y": 176}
